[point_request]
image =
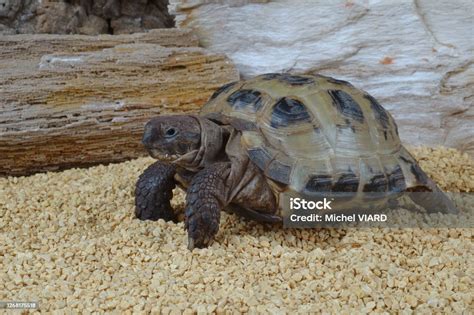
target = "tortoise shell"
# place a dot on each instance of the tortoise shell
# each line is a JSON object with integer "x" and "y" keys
{"x": 313, "y": 134}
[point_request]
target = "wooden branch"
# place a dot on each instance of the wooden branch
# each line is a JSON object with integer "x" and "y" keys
{"x": 81, "y": 108}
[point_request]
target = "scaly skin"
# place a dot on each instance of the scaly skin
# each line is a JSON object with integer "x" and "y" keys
{"x": 204, "y": 201}
{"x": 153, "y": 191}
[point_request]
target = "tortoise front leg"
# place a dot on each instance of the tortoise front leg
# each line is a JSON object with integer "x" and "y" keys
{"x": 153, "y": 192}
{"x": 206, "y": 197}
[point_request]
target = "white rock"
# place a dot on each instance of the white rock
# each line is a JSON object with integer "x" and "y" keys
{"x": 415, "y": 56}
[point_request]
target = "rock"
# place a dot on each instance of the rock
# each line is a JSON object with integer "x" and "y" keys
{"x": 9, "y": 9}
{"x": 414, "y": 57}
{"x": 5, "y": 30}
{"x": 162, "y": 5}
{"x": 59, "y": 18}
{"x": 82, "y": 16}
{"x": 111, "y": 9}
{"x": 87, "y": 103}
{"x": 133, "y": 8}
{"x": 127, "y": 25}
{"x": 151, "y": 22}
{"x": 158, "y": 13}
{"x": 17, "y": 16}
{"x": 94, "y": 25}
{"x": 97, "y": 9}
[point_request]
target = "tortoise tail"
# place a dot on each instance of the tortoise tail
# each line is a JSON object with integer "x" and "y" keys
{"x": 433, "y": 200}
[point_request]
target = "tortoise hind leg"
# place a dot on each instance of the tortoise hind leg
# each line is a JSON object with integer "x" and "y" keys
{"x": 431, "y": 198}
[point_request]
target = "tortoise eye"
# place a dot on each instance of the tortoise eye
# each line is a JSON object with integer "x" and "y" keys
{"x": 170, "y": 132}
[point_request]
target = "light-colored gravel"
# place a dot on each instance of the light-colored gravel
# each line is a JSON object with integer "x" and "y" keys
{"x": 70, "y": 241}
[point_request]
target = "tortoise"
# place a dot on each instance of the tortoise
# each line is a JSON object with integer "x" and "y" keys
{"x": 259, "y": 142}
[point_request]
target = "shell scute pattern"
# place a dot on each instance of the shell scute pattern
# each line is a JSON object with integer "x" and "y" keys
{"x": 223, "y": 89}
{"x": 396, "y": 180}
{"x": 347, "y": 106}
{"x": 288, "y": 111}
{"x": 318, "y": 183}
{"x": 379, "y": 112}
{"x": 378, "y": 183}
{"x": 348, "y": 182}
{"x": 241, "y": 99}
{"x": 278, "y": 171}
{"x": 260, "y": 157}
{"x": 418, "y": 173}
{"x": 334, "y": 81}
{"x": 414, "y": 176}
{"x": 318, "y": 134}
{"x": 288, "y": 78}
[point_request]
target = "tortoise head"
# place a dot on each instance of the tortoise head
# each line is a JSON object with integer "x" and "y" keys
{"x": 167, "y": 138}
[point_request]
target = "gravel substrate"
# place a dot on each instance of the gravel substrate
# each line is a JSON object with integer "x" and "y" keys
{"x": 69, "y": 240}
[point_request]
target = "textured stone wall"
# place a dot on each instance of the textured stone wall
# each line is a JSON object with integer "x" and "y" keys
{"x": 89, "y": 17}
{"x": 415, "y": 56}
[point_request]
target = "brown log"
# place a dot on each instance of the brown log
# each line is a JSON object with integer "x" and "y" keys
{"x": 87, "y": 104}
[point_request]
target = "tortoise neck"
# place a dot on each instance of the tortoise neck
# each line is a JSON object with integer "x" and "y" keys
{"x": 213, "y": 141}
